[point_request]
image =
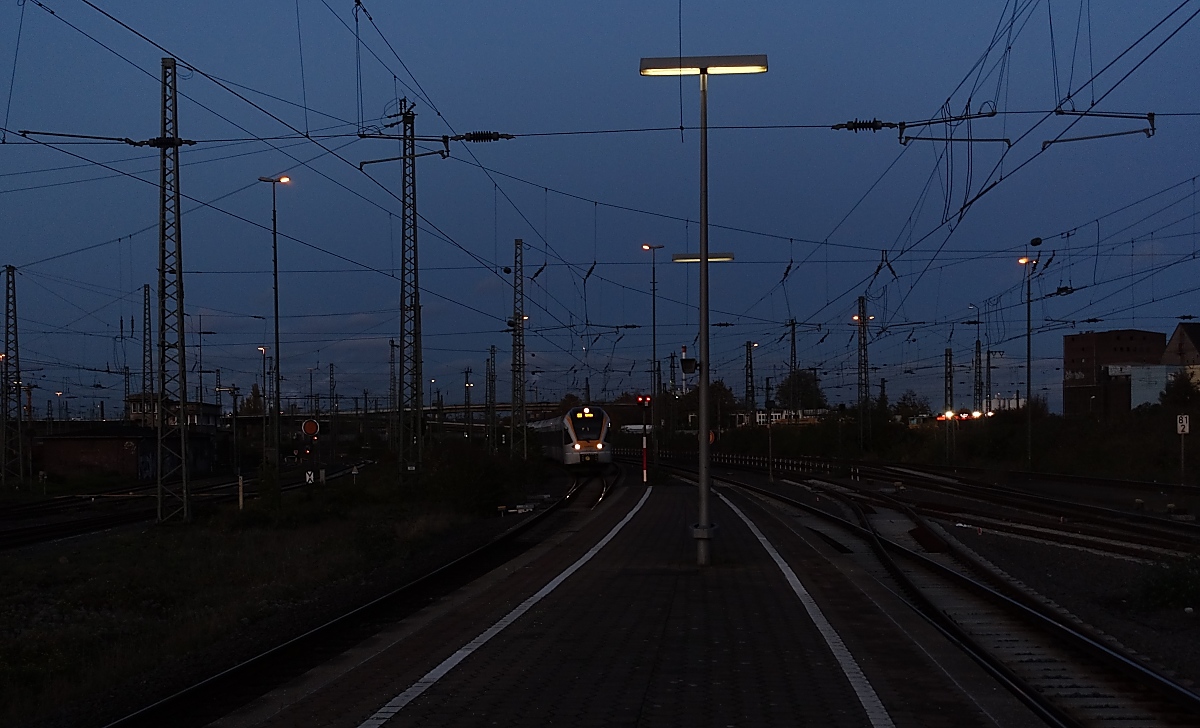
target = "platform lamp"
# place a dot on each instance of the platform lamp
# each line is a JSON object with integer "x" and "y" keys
{"x": 275, "y": 182}
{"x": 655, "y": 385}
{"x": 1030, "y": 264}
{"x": 703, "y": 66}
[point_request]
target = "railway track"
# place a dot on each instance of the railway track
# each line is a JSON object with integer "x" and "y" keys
{"x": 218, "y": 695}
{"x": 1067, "y": 675}
{"x": 1126, "y": 532}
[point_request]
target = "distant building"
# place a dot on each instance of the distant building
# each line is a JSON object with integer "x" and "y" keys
{"x": 142, "y": 409}
{"x": 1100, "y": 368}
{"x": 1183, "y": 351}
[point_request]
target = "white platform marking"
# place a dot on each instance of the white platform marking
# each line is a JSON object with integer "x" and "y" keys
{"x": 871, "y": 703}
{"x": 396, "y": 704}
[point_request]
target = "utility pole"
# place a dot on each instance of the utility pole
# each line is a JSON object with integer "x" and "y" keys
{"x": 174, "y": 497}
{"x": 125, "y": 416}
{"x": 948, "y": 409}
{"x": 12, "y": 470}
{"x": 393, "y": 400}
{"x": 333, "y": 410}
{"x": 490, "y": 399}
{"x": 976, "y": 366}
{"x": 751, "y": 402}
{"x": 864, "y": 383}
{"x": 468, "y": 416}
{"x": 518, "y": 447}
{"x": 147, "y": 350}
{"x": 949, "y": 403}
{"x": 792, "y": 361}
{"x": 412, "y": 384}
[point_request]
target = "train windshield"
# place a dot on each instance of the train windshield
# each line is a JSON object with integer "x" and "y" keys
{"x": 587, "y": 425}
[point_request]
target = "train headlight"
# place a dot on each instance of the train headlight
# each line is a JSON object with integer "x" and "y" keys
{"x": 599, "y": 446}
{"x": 576, "y": 446}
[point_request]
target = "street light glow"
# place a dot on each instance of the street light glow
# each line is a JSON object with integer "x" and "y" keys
{"x": 711, "y": 65}
{"x": 695, "y": 257}
{"x": 285, "y": 179}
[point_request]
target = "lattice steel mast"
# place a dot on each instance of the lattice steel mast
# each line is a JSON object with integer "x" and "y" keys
{"x": 949, "y": 404}
{"x": 751, "y": 400}
{"x": 147, "y": 351}
{"x": 489, "y": 395}
{"x": 518, "y": 447}
{"x": 173, "y": 488}
{"x": 977, "y": 390}
{"x": 411, "y": 437}
{"x": 393, "y": 398}
{"x": 12, "y": 470}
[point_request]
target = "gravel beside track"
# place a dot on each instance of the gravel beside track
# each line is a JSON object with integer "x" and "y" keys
{"x": 1102, "y": 591}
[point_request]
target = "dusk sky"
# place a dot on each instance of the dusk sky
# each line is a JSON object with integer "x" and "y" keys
{"x": 808, "y": 212}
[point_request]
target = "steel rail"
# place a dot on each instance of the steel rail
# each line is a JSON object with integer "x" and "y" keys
{"x": 165, "y": 710}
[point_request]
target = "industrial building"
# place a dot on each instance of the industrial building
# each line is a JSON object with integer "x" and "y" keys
{"x": 1107, "y": 373}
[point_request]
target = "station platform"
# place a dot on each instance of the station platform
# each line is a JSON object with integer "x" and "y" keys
{"x": 612, "y": 623}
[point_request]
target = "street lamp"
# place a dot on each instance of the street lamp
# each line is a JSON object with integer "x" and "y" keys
{"x": 1030, "y": 266}
{"x": 703, "y": 66}
{"x": 263, "y": 402}
{"x": 275, "y": 181}
{"x": 655, "y": 385}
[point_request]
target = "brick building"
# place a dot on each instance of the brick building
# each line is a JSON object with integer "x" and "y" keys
{"x": 1099, "y": 368}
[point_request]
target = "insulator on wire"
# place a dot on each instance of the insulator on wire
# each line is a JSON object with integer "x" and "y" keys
{"x": 485, "y": 136}
{"x": 858, "y": 125}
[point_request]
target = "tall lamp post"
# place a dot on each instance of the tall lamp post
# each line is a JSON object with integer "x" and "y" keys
{"x": 275, "y": 182}
{"x": 1030, "y": 264}
{"x": 703, "y": 66}
{"x": 263, "y": 401}
{"x": 654, "y": 376}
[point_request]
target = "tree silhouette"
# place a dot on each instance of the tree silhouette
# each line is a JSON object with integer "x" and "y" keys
{"x": 1181, "y": 392}
{"x": 801, "y": 390}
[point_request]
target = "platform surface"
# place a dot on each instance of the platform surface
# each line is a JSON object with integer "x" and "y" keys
{"x": 639, "y": 635}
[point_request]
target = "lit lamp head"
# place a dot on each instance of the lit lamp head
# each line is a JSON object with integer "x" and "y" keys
{"x": 283, "y": 179}
{"x": 695, "y": 257}
{"x": 710, "y": 65}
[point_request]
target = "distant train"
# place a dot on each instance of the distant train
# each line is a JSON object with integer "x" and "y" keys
{"x": 579, "y": 437}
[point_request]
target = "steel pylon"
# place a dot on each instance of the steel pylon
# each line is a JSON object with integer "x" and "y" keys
{"x": 12, "y": 468}
{"x": 174, "y": 497}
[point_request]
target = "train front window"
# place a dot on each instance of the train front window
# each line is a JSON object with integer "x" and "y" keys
{"x": 588, "y": 428}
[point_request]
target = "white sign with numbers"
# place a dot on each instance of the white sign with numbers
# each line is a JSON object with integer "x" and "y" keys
{"x": 1182, "y": 426}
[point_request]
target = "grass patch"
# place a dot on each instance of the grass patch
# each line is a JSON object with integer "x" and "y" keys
{"x": 79, "y": 620}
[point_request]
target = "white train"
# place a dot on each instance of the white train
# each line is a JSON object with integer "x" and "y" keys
{"x": 577, "y": 438}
